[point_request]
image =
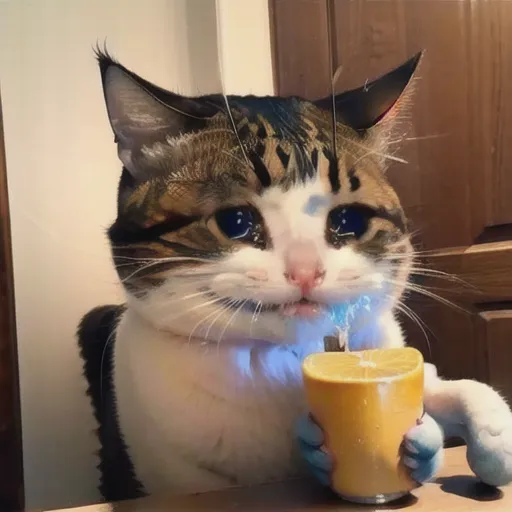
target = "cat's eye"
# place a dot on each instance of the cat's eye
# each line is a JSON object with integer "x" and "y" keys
{"x": 347, "y": 222}
{"x": 241, "y": 223}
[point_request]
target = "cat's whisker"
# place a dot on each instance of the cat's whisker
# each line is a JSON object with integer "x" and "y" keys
{"x": 142, "y": 268}
{"x": 420, "y": 138}
{"x": 374, "y": 151}
{"x": 177, "y": 293}
{"x": 221, "y": 310}
{"x": 423, "y": 291}
{"x": 408, "y": 314}
{"x": 362, "y": 157}
{"x": 166, "y": 303}
{"x": 425, "y": 252}
{"x": 414, "y": 317}
{"x": 433, "y": 274}
{"x": 211, "y": 271}
{"x": 204, "y": 319}
{"x": 194, "y": 308}
{"x": 462, "y": 285}
{"x": 426, "y": 270}
{"x": 258, "y": 311}
{"x": 239, "y": 308}
{"x": 177, "y": 286}
{"x": 429, "y": 272}
{"x": 137, "y": 271}
{"x": 164, "y": 260}
{"x": 217, "y": 313}
{"x": 391, "y": 255}
{"x": 254, "y": 317}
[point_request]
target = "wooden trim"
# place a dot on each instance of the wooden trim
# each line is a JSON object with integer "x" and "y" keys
{"x": 486, "y": 271}
{"x": 11, "y": 460}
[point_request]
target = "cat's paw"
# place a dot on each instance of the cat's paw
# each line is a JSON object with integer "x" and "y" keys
{"x": 489, "y": 437}
{"x": 423, "y": 450}
{"x": 311, "y": 444}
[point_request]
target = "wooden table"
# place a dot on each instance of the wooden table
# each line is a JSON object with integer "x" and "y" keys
{"x": 456, "y": 490}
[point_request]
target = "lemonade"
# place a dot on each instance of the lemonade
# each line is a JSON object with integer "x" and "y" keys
{"x": 366, "y": 402}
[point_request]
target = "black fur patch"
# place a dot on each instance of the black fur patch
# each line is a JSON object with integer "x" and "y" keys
{"x": 355, "y": 182}
{"x": 122, "y": 233}
{"x": 262, "y": 132}
{"x": 96, "y": 339}
{"x": 244, "y": 132}
{"x": 282, "y": 156}
{"x": 314, "y": 158}
{"x": 334, "y": 177}
{"x": 260, "y": 170}
{"x": 260, "y": 149}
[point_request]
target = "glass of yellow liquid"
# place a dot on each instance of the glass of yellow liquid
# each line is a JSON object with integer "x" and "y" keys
{"x": 366, "y": 402}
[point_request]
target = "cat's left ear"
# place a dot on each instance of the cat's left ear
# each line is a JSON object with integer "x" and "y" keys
{"x": 142, "y": 114}
{"x": 376, "y": 101}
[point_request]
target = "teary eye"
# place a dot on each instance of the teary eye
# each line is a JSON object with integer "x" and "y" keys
{"x": 241, "y": 223}
{"x": 345, "y": 223}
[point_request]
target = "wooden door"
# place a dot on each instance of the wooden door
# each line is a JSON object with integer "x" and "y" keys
{"x": 457, "y": 185}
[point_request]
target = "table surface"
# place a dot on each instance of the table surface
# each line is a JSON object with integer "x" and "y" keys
{"x": 456, "y": 490}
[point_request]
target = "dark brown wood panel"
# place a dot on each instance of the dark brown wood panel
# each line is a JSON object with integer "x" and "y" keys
{"x": 496, "y": 330}
{"x": 301, "y": 48}
{"x": 492, "y": 78}
{"x": 462, "y": 116}
{"x": 374, "y": 36}
{"x": 11, "y": 465}
{"x": 370, "y": 37}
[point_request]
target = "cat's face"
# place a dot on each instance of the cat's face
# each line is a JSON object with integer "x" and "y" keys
{"x": 253, "y": 233}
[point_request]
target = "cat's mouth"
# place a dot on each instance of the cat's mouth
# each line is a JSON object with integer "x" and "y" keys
{"x": 304, "y": 308}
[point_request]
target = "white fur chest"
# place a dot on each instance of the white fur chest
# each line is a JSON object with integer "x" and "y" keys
{"x": 195, "y": 417}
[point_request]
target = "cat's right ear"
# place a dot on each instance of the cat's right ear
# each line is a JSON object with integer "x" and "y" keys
{"x": 375, "y": 105}
{"x": 142, "y": 114}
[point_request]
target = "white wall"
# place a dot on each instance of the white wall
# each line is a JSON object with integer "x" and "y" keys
{"x": 244, "y": 43}
{"x": 63, "y": 173}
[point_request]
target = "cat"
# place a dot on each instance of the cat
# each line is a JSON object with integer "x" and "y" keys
{"x": 246, "y": 226}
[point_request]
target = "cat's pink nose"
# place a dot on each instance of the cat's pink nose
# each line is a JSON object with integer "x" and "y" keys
{"x": 305, "y": 278}
{"x": 303, "y": 267}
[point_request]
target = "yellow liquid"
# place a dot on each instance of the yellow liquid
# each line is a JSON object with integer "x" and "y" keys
{"x": 365, "y": 402}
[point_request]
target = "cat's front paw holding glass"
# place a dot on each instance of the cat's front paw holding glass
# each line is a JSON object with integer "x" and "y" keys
{"x": 422, "y": 450}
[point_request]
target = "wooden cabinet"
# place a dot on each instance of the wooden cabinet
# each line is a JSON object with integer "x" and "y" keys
{"x": 457, "y": 184}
